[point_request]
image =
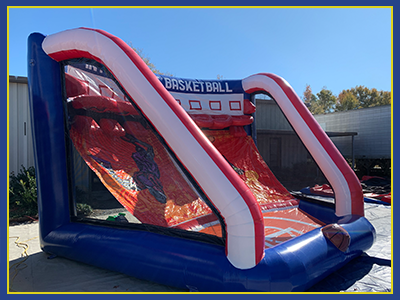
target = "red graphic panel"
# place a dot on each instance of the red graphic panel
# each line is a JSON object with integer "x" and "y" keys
{"x": 243, "y": 156}
{"x": 135, "y": 167}
{"x": 282, "y": 218}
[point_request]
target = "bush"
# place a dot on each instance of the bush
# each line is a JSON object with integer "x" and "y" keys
{"x": 23, "y": 190}
{"x": 23, "y": 195}
{"x": 83, "y": 209}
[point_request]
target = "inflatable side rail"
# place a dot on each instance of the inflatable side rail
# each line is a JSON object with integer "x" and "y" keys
{"x": 228, "y": 193}
{"x": 348, "y": 192}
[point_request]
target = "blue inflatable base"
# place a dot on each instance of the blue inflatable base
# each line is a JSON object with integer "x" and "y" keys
{"x": 294, "y": 265}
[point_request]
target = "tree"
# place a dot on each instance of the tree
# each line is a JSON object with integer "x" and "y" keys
{"x": 326, "y": 100}
{"x": 347, "y": 101}
{"x": 385, "y": 98}
{"x": 322, "y": 103}
{"x": 307, "y": 94}
{"x": 354, "y": 98}
{"x": 311, "y": 101}
{"x": 364, "y": 96}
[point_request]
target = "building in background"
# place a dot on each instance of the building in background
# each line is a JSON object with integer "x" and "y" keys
{"x": 372, "y": 144}
{"x": 20, "y": 144}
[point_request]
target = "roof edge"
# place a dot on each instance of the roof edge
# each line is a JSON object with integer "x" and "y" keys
{"x": 17, "y": 79}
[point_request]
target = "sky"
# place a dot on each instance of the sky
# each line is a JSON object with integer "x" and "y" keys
{"x": 333, "y": 48}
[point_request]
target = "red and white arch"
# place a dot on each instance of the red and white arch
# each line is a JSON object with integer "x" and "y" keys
{"x": 233, "y": 199}
{"x": 348, "y": 193}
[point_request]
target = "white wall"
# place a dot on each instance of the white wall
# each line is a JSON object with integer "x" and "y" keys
{"x": 20, "y": 145}
{"x": 373, "y": 127}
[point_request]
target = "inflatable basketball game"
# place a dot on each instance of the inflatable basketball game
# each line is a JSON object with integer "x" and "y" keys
{"x": 202, "y": 210}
